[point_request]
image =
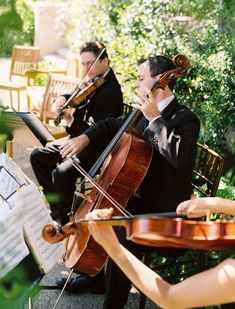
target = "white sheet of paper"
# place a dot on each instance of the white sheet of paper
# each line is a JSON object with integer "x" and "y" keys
{"x": 4, "y": 209}
{"x": 13, "y": 248}
{"x": 36, "y": 216}
{"x": 8, "y": 185}
{"x": 13, "y": 169}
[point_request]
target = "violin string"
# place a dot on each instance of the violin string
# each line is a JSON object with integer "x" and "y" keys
{"x": 100, "y": 189}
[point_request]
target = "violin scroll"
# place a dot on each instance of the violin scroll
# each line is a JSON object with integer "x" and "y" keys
{"x": 53, "y": 234}
{"x": 49, "y": 233}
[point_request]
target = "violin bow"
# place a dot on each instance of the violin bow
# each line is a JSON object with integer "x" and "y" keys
{"x": 77, "y": 89}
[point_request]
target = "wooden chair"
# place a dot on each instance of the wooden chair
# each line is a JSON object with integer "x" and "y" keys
{"x": 206, "y": 177}
{"x": 207, "y": 171}
{"x": 56, "y": 86}
{"x": 23, "y": 59}
{"x": 74, "y": 68}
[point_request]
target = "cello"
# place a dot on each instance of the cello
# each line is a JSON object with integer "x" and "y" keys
{"x": 120, "y": 176}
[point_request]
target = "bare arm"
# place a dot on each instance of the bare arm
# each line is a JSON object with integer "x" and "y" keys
{"x": 214, "y": 286}
{"x": 198, "y": 207}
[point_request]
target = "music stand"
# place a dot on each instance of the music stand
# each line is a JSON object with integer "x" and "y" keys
{"x": 27, "y": 129}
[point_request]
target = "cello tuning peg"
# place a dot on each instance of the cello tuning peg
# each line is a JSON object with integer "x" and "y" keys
{"x": 85, "y": 197}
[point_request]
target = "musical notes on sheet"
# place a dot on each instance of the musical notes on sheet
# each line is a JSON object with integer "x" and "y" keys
{"x": 23, "y": 214}
{"x": 13, "y": 169}
{"x": 36, "y": 216}
{"x": 13, "y": 248}
{"x": 8, "y": 184}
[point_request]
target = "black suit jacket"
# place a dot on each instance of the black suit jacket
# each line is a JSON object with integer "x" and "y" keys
{"x": 106, "y": 101}
{"x": 174, "y": 140}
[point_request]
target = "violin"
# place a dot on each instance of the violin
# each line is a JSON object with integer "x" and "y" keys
{"x": 80, "y": 94}
{"x": 87, "y": 91}
{"x": 159, "y": 231}
{"x": 80, "y": 97}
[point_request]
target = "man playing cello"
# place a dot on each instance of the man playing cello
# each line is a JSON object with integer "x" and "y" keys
{"x": 172, "y": 130}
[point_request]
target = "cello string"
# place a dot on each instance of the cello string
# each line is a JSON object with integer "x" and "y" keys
{"x": 182, "y": 66}
{"x": 100, "y": 189}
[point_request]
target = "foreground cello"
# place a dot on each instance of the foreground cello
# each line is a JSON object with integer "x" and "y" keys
{"x": 127, "y": 159}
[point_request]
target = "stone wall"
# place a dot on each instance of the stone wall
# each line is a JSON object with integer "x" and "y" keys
{"x": 48, "y": 28}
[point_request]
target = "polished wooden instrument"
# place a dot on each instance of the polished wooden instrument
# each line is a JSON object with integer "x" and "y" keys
{"x": 124, "y": 163}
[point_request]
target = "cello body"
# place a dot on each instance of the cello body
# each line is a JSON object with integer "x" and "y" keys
{"x": 120, "y": 176}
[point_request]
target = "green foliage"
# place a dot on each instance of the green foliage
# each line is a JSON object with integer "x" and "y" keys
{"x": 227, "y": 186}
{"x": 200, "y": 29}
{"x": 12, "y": 290}
{"x": 16, "y": 25}
{"x": 5, "y": 128}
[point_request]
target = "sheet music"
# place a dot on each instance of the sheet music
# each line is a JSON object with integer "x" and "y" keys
{"x": 13, "y": 169}
{"x": 12, "y": 244}
{"x": 4, "y": 209}
{"x": 36, "y": 216}
{"x": 8, "y": 185}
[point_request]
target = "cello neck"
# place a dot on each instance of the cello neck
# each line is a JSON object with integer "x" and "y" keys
{"x": 129, "y": 121}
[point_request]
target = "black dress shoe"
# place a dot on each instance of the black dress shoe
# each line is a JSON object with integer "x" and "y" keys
{"x": 82, "y": 284}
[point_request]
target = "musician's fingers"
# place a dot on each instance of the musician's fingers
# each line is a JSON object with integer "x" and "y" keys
{"x": 196, "y": 214}
{"x": 100, "y": 214}
{"x": 137, "y": 106}
{"x": 92, "y": 216}
{"x": 189, "y": 208}
{"x": 136, "y": 98}
{"x": 58, "y": 105}
{"x": 182, "y": 207}
{"x": 149, "y": 94}
{"x": 66, "y": 150}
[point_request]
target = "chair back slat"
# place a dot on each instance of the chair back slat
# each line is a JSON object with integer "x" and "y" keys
{"x": 24, "y": 58}
{"x": 207, "y": 171}
{"x": 57, "y": 85}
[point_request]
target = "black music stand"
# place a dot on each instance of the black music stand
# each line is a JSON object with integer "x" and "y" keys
{"x": 27, "y": 129}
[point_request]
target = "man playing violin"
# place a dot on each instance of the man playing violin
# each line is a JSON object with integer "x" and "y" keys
{"x": 172, "y": 130}
{"x": 53, "y": 173}
{"x": 218, "y": 283}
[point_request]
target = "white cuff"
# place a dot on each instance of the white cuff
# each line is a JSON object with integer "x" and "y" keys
{"x": 154, "y": 119}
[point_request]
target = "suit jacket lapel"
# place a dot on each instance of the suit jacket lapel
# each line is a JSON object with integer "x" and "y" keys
{"x": 170, "y": 109}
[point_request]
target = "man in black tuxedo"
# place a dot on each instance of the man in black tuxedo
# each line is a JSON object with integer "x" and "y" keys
{"x": 53, "y": 173}
{"x": 172, "y": 130}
